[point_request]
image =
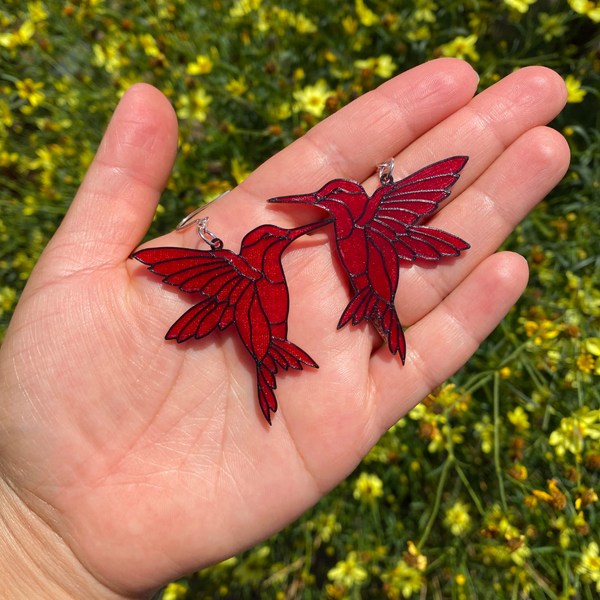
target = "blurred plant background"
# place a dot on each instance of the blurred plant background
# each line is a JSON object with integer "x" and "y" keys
{"x": 489, "y": 488}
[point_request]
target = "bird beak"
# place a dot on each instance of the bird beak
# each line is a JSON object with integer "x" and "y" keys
{"x": 296, "y": 233}
{"x": 305, "y": 199}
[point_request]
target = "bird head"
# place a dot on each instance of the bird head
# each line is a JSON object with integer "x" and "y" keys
{"x": 263, "y": 246}
{"x": 345, "y": 200}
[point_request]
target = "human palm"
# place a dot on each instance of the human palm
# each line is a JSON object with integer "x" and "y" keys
{"x": 147, "y": 459}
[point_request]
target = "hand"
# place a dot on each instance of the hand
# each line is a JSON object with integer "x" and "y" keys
{"x": 128, "y": 460}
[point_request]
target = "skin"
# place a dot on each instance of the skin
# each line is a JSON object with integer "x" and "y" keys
{"x": 125, "y": 460}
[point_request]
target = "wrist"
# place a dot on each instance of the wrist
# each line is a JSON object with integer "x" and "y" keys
{"x": 36, "y": 562}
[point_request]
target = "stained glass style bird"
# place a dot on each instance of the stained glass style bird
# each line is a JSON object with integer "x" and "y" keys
{"x": 246, "y": 289}
{"x": 374, "y": 232}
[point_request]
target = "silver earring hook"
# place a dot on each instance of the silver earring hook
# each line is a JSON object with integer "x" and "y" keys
{"x": 385, "y": 171}
{"x": 215, "y": 243}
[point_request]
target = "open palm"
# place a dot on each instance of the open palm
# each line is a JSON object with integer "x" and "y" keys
{"x": 146, "y": 459}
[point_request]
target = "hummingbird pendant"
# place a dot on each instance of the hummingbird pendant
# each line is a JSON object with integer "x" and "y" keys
{"x": 374, "y": 232}
{"x": 247, "y": 289}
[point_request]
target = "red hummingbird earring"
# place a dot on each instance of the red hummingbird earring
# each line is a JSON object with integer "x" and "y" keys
{"x": 246, "y": 289}
{"x": 374, "y": 232}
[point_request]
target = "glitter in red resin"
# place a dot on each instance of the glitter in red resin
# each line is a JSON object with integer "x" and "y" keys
{"x": 248, "y": 290}
{"x": 373, "y": 233}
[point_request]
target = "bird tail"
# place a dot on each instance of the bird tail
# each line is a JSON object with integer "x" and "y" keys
{"x": 265, "y": 379}
{"x": 368, "y": 306}
{"x": 282, "y": 353}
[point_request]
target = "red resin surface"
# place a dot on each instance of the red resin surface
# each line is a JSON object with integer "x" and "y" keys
{"x": 373, "y": 233}
{"x": 248, "y": 290}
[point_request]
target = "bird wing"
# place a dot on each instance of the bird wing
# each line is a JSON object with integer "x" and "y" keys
{"x": 402, "y": 204}
{"x": 220, "y": 275}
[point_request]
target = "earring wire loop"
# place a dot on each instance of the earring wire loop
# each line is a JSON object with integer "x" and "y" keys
{"x": 385, "y": 171}
{"x": 215, "y": 243}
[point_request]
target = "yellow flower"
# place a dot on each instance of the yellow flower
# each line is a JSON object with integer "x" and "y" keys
{"x": 573, "y": 430}
{"x": 530, "y": 501}
{"x": 281, "y": 112}
{"x": 327, "y": 525}
{"x": 201, "y": 66}
{"x": 44, "y": 160}
{"x": 518, "y": 472}
{"x": 350, "y": 25}
{"x": 18, "y": 38}
{"x": 531, "y": 328}
{"x": 109, "y": 57}
{"x": 242, "y": 8}
{"x": 30, "y": 205}
{"x": 461, "y": 47}
{"x": 252, "y": 570}
{"x": 589, "y": 566}
{"x": 521, "y": 6}
{"x": 312, "y": 98}
{"x": 30, "y": 90}
{"x": 149, "y": 44}
{"x": 236, "y": 87}
{"x": 37, "y": 12}
{"x": 421, "y": 33}
{"x": 348, "y": 572}
{"x": 8, "y": 158}
{"x": 457, "y": 518}
{"x": 517, "y": 547}
{"x": 519, "y": 419}
{"x": 555, "y": 498}
{"x": 6, "y": 117}
{"x": 592, "y": 345}
{"x": 303, "y": 24}
{"x": 586, "y": 363}
{"x": 197, "y": 108}
{"x": 174, "y": 591}
{"x": 383, "y": 66}
{"x": 551, "y": 26}
{"x": 576, "y": 94}
{"x": 449, "y": 397}
{"x": 403, "y": 579}
{"x": 414, "y": 558}
{"x": 486, "y": 432}
{"x": 367, "y": 488}
{"x": 425, "y": 12}
{"x": 239, "y": 170}
{"x": 586, "y": 497}
{"x": 365, "y": 15}
{"x": 585, "y": 7}
{"x": 7, "y": 298}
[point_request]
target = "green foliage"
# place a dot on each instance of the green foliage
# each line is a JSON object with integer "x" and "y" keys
{"x": 486, "y": 488}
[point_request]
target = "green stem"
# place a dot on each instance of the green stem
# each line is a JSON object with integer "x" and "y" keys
{"x": 480, "y": 383}
{"x": 378, "y": 523}
{"x": 466, "y": 483}
{"x": 516, "y": 352}
{"x": 438, "y": 499}
{"x": 497, "y": 440}
{"x": 515, "y": 592}
{"x": 588, "y": 592}
{"x": 436, "y": 563}
{"x": 579, "y": 389}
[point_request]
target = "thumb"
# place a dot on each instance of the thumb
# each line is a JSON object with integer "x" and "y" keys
{"x": 118, "y": 197}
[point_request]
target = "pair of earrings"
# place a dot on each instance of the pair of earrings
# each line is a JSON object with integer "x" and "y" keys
{"x": 249, "y": 289}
